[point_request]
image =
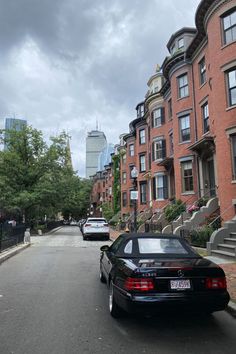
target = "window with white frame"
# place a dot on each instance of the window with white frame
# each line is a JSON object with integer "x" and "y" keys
{"x": 140, "y": 111}
{"x": 159, "y": 149}
{"x": 142, "y": 136}
{"x": 124, "y": 177}
{"x": 233, "y": 147}
{"x": 183, "y": 86}
{"x": 142, "y": 163}
{"x": 187, "y": 176}
{"x": 205, "y": 117}
{"x": 202, "y": 71}
{"x": 131, "y": 150}
{"x": 161, "y": 187}
{"x": 184, "y": 124}
{"x": 231, "y": 80}
{"x": 229, "y": 27}
{"x": 143, "y": 192}
{"x": 158, "y": 117}
{"x": 180, "y": 43}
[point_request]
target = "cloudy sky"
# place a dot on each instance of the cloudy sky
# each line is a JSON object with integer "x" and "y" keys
{"x": 66, "y": 63}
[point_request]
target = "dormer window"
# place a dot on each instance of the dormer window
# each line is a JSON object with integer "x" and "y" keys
{"x": 140, "y": 111}
{"x": 180, "y": 43}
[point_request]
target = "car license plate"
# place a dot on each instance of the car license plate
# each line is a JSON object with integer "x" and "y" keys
{"x": 180, "y": 284}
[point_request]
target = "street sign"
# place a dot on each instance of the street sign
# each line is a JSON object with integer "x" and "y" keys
{"x": 134, "y": 195}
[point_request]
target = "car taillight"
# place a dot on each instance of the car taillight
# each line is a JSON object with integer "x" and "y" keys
{"x": 87, "y": 225}
{"x": 139, "y": 284}
{"x": 216, "y": 283}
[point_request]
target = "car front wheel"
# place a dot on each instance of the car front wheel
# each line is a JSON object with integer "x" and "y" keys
{"x": 114, "y": 309}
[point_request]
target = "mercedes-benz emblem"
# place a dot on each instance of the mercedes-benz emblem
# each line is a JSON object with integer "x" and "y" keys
{"x": 180, "y": 273}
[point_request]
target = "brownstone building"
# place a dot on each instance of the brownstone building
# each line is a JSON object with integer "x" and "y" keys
{"x": 183, "y": 138}
{"x": 183, "y": 141}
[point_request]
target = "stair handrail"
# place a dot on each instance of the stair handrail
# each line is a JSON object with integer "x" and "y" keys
{"x": 219, "y": 216}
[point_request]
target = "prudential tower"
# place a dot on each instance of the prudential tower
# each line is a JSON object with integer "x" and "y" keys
{"x": 95, "y": 143}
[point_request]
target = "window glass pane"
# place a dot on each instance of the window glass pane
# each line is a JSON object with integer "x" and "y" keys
{"x": 233, "y": 18}
{"x": 129, "y": 247}
{"x": 234, "y": 33}
{"x": 164, "y": 246}
{"x": 180, "y": 43}
{"x": 226, "y": 22}
{"x": 233, "y": 96}
{"x": 232, "y": 78}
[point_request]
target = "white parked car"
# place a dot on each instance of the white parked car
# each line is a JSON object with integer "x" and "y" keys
{"x": 96, "y": 227}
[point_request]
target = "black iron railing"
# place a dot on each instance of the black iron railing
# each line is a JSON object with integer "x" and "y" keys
{"x": 11, "y": 235}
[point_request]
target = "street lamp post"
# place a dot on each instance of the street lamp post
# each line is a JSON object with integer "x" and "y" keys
{"x": 134, "y": 176}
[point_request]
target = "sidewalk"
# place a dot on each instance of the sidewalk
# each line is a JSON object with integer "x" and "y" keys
{"x": 229, "y": 269}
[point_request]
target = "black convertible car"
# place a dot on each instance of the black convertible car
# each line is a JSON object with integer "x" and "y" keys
{"x": 151, "y": 273}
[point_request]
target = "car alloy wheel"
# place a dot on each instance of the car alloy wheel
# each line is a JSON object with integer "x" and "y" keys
{"x": 114, "y": 309}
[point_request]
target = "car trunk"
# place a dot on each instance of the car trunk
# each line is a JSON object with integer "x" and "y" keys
{"x": 175, "y": 276}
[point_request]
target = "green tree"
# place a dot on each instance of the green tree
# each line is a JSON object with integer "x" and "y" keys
{"x": 37, "y": 179}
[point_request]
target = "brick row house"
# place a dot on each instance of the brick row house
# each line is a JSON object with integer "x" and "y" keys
{"x": 183, "y": 139}
{"x": 101, "y": 190}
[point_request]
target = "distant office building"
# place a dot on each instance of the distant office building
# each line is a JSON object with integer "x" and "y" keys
{"x": 95, "y": 143}
{"x": 104, "y": 157}
{"x": 13, "y": 124}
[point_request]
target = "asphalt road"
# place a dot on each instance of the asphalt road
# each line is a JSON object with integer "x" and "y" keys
{"x": 51, "y": 302}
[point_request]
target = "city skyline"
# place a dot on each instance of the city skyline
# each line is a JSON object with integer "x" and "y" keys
{"x": 65, "y": 66}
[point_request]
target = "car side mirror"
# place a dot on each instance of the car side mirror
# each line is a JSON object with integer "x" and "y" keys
{"x": 104, "y": 248}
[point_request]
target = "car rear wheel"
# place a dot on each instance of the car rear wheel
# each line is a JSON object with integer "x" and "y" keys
{"x": 101, "y": 276}
{"x": 114, "y": 309}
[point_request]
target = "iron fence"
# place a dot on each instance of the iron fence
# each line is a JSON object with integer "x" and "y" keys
{"x": 11, "y": 235}
{"x": 153, "y": 227}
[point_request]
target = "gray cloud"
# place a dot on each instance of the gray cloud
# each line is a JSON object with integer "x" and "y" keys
{"x": 65, "y": 64}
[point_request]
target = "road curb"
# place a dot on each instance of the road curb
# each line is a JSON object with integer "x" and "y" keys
{"x": 52, "y": 231}
{"x": 231, "y": 309}
{"x": 12, "y": 252}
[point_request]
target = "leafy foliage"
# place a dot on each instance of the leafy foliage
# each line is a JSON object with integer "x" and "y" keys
{"x": 172, "y": 211}
{"x": 37, "y": 179}
{"x": 107, "y": 211}
{"x": 201, "y": 236}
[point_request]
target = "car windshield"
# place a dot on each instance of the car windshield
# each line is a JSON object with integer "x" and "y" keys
{"x": 160, "y": 246}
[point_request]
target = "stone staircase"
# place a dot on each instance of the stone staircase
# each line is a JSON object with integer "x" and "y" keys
{"x": 198, "y": 218}
{"x": 223, "y": 241}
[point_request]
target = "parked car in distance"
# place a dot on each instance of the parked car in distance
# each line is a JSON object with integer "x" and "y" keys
{"x": 148, "y": 273}
{"x": 96, "y": 228}
{"x": 73, "y": 223}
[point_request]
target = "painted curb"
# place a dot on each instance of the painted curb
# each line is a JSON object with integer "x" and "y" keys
{"x": 13, "y": 252}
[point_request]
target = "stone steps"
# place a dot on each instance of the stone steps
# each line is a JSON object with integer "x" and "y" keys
{"x": 230, "y": 241}
{"x": 226, "y": 247}
{"x": 223, "y": 254}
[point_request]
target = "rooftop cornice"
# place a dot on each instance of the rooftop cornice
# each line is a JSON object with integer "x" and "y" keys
{"x": 169, "y": 62}
{"x": 204, "y": 8}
